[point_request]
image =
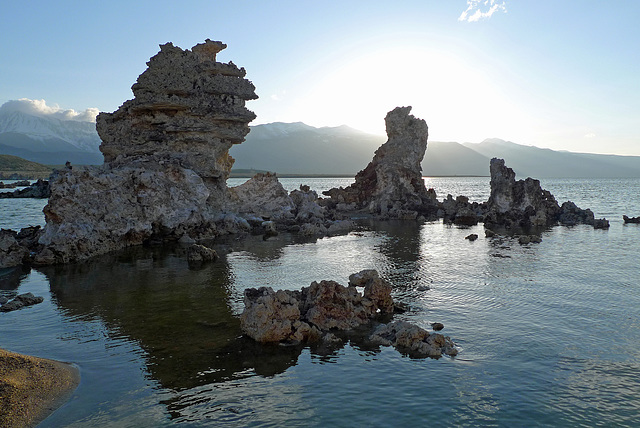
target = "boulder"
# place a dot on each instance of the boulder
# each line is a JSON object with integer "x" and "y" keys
{"x": 279, "y": 316}
{"x": 413, "y": 340}
{"x": 472, "y": 237}
{"x": 199, "y": 254}
{"x": 20, "y": 301}
{"x": 12, "y": 253}
{"x": 262, "y": 196}
{"x": 635, "y": 220}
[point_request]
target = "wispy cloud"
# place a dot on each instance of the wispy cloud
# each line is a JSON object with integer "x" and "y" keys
{"x": 481, "y": 9}
{"x": 590, "y": 135}
{"x": 40, "y": 108}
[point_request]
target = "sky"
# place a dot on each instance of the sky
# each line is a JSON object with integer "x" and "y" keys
{"x": 555, "y": 74}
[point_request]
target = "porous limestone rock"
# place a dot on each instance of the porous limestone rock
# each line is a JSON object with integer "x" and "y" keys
{"x": 413, "y": 340}
{"x": 197, "y": 254}
{"x": 166, "y": 161}
{"x": 187, "y": 107}
{"x": 523, "y": 204}
{"x": 392, "y": 185}
{"x": 262, "y": 196}
{"x": 95, "y": 210}
{"x": 279, "y": 316}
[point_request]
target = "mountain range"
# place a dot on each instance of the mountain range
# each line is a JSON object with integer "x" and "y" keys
{"x": 297, "y": 148}
{"x": 48, "y": 140}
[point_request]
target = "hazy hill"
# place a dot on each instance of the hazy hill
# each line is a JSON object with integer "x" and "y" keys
{"x": 15, "y": 167}
{"x": 298, "y": 148}
{"x": 48, "y": 140}
{"x": 536, "y": 162}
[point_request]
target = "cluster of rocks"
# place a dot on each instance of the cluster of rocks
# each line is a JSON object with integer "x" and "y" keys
{"x": 313, "y": 313}
{"x": 21, "y": 183}
{"x": 627, "y": 220}
{"x": 39, "y": 190}
{"x": 524, "y": 204}
{"x": 20, "y": 301}
{"x": 167, "y": 161}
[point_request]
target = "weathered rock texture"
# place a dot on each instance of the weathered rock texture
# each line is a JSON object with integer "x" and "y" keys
{"x": 40, "y": 190}
{"x": 166, "y": 161}
{"x": 413, "y": 340}
{"x": 187, "y": 108}
{"x": 283, "y": 315}
{"x": 309, "y": 315}
{"x": 523, "y": 204}
{"x": 392, "y": 185}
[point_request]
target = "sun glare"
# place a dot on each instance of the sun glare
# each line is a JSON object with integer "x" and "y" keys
{"x": 457, "y": 101}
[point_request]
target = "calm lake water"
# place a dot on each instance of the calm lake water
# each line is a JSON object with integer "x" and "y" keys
{"x": 549, "y": 333}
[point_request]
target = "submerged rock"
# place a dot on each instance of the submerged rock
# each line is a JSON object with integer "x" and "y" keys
{"x": 392, "y": 185}
{"x": 635, "y": 220}
{"x": 20, "y": 301}
{"x": 413, "y": 340}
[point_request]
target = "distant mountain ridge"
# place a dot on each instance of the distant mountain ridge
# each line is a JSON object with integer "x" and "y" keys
{"x": 48, "y": 140}
{"x": 290, "y": 148}
{"x": 297, "y": 148}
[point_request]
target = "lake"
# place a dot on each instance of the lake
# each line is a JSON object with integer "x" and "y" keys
{"x": 548, "y": 333}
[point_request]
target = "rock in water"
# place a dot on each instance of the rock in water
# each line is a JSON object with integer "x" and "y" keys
{"x": 523, "y": 204}
{"x": 391, "y": 185}
{"x": 166, "y": 161}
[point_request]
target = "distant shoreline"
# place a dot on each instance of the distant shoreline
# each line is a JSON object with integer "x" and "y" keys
{"x": 250, "y": 174}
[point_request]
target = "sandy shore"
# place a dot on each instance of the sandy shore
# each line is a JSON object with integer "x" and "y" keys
{"x": 31, "y": 388}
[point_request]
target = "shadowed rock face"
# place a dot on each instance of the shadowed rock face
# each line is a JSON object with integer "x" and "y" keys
{"x": 524, "y": 204}
{"x": 391, "y": 185}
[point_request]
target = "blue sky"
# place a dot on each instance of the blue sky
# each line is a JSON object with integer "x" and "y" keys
{"x": 558, "y": 74}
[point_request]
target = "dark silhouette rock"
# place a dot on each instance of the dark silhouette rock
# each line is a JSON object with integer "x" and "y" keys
{"x": 392, "y": 185}
{"x": 635, "y": 220}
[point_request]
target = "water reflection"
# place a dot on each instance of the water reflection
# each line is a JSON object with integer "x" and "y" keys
{"x": 180, "y": 317}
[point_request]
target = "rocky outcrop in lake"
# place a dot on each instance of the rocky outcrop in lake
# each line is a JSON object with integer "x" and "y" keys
{"x": 313, "y": 313}
{"x": 166, "y": 161}
{"x": 391, "y": 185}
{"x": 39, "y": 190}
{"x": 524, "y": 204}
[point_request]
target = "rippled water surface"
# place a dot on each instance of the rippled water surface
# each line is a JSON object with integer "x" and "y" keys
{"x": 549, "y": 333}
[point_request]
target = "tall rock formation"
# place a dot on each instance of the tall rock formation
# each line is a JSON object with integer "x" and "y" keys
{"x": 392, "y": 185}
{"x": 166, "y": 161}
{"x": 187, "y": 108}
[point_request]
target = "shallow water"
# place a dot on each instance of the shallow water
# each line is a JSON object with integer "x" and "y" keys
{"x": 549, "y": 333}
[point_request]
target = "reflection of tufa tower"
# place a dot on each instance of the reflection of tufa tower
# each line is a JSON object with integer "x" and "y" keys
{"x": 188, "y": 109}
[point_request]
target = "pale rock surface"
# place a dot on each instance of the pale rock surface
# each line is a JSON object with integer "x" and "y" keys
{"x": 187, "y": 107}
{"x": 166, "y": 161}
{"x": 262, "y": 196}
{"x": 392, "y": 185}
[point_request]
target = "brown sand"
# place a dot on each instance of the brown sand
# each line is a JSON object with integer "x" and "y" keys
{"x": 31, "y": 388}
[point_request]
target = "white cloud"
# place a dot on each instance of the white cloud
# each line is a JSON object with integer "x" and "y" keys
{"x": 478, "y": 9}
{"x": 590, "y": 135}
{"x": 40, "y": 108}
